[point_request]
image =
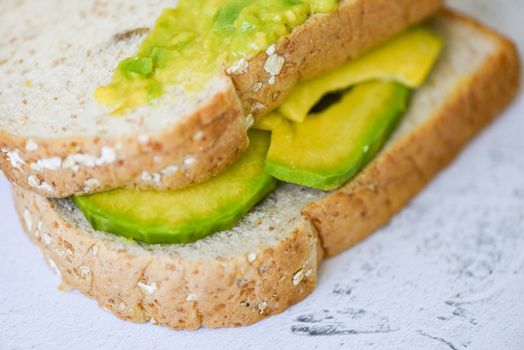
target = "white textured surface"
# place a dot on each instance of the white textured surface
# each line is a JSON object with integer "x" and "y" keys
{"x": 447, "y": 273}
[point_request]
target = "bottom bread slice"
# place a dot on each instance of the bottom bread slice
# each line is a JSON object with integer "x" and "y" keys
{"x": 270, "y": 260}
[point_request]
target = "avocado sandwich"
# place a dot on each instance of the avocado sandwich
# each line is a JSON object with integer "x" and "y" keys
{"x": 191, "y": 163}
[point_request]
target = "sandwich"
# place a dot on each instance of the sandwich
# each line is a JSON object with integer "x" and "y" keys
{"x": 191, "y": 166}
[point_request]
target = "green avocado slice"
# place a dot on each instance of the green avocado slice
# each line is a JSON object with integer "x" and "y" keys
{"x": 330, "y": 147}
{"x": 189, "y": 214}
{"x": 406, "y": 59}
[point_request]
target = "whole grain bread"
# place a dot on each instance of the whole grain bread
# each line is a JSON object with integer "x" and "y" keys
{"x": 270, "y": 260}
{"x": 57, "y": 141}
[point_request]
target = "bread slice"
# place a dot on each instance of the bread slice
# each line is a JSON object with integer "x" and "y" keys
{"x": 270, "y": 260}
{"x": 57, "y": 141}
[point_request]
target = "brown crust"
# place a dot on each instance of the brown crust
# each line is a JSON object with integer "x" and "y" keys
{"x": 325, "y": 42}
{"x": 213, "y": 136}
{"x": 227, "y": 292}
{"x": 354, "y": 212}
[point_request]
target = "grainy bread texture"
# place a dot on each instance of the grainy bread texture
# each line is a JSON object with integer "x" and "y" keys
{"x": 266, "y": 264}
{"x": 270, "y": 260}
{"x": 57, "y": 141}
{"x": 323, "y": 43}
{"x": 474, "y": 81}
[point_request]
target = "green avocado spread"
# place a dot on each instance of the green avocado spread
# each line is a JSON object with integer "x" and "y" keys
{"x": 190, "y": 43}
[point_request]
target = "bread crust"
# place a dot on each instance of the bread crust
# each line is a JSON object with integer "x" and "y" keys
{"x": 352, "y": 213}
{"x": 213, "y": 137}
{"x": 325, "y": 42}
{"x": 187, "y": 294}
{"x": 192, "y": 151}
{"x": 140, "y": 286}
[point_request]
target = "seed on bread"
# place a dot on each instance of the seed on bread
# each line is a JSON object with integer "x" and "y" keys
{"x": 31, "y": 145}
{"x": 257, "y": 106}
{"x": 91, "y": 185}
{"x": 148, "y": 288}
{"x": 191, "y": 297}
{"x": 53, "y": 163}
{"x": 274, "y": 63}
{"x": 28, "y": 220}
{"x": 239, "y": 67}
{"x": 14, "y": 158}
{"x": 298, "y": 277}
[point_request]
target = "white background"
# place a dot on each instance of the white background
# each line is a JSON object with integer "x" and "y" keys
{"x": 447, "y": 273}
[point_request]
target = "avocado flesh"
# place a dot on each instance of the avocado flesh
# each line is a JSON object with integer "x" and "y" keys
{"x": 406, "y": 59}
{"x": 189, "y": 214}
{"x": 192, "y": 41}
{"x": 330, "y": 147}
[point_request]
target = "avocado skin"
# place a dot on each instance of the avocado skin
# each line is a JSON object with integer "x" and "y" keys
{"x": 379, "y": 123}
{"x": 250, "y": 187}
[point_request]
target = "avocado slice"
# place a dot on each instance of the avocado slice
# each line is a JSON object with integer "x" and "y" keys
{"x": 407, "y": 59}
{"x": 189, "y": 214}
{"x": 330, "y": 147}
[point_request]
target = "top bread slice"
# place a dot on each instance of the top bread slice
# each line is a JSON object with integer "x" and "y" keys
{"x": 270, "y": 260}
{"x": 57, "y": 141}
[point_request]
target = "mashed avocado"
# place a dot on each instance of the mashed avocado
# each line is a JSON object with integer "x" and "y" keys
{"x": 188, "y": 44}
